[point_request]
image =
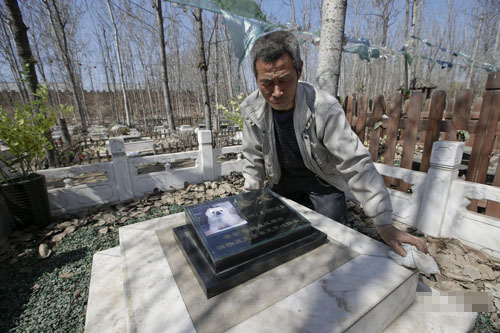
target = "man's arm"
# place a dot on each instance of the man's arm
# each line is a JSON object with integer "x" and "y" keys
{"x": 366, "y": 184}
{"x": 253, "y": 167}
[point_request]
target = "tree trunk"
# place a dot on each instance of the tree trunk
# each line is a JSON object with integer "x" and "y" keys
{"x": 330, "y": 49}
{"x": 13, "y": 63}
{"x": 203, "y": 68}
{"x": 385, "y": 26}
{"x": 164, "y": 73}
{"x": 497, "y": 40}
{"x": 120, "y": 67}
{"x": 476, "y": 44}
{"x": 20, "y": 34}
{"x": 407, "y": 19}
{"x": 65, "y": 137}
{"x": 60, "y": 37}
{"x": 217, "y": 111}
{"x": 414, "y": 21}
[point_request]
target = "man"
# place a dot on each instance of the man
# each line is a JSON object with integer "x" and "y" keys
{"x": 298, "y": 138}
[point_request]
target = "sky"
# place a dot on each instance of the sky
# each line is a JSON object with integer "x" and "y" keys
{"x": 280, "y": 11}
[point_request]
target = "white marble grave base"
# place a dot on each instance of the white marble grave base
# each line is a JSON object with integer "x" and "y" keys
{"x": 365, "y": 294}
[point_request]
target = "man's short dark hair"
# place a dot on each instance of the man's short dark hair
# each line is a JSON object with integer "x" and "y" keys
{"x": 273, "y": 46}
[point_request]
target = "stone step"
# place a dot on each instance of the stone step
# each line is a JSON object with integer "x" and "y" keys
{"x": 106, "y": 305}
{"x": 106, "y": 302}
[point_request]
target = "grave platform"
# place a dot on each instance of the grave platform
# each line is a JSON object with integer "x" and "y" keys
{"x": 346, "y": 285}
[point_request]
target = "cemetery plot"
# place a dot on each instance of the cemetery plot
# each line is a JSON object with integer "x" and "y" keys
{"x": 231, "y": 240}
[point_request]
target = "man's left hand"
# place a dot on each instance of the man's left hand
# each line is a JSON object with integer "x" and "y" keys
{"x": 395, "y": 237}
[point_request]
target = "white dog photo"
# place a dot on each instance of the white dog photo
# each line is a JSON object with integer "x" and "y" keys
{"x": 222, "y": 216}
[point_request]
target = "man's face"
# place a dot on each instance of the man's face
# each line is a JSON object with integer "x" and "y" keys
{"x": 277, "y": 81}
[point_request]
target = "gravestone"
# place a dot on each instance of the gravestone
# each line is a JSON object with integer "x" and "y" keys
{"x": 231, "y": 240}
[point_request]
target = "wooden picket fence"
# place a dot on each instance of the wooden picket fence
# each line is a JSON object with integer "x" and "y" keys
{"x": 416, "y": 124}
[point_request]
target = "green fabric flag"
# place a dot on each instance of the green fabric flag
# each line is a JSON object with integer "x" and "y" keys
{"x": 244, "y": 32}
{"x": 245, "y": 8}
{"x": 364, "y": 52}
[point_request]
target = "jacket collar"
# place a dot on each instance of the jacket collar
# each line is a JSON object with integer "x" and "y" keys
{"x": 257, "y": 108}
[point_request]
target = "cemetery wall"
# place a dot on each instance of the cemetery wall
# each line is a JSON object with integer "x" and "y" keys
{"x": 435, "y": 203}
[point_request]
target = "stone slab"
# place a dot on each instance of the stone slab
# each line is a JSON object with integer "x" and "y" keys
{"x": 153, "y": 301}
{"x": 106, "y": 302}
{"x": 103, "y": 290}
{"x": 235, "y": 229}
{"x": 242, "y": 302}
{"x": 389, "y": 281}
{"x": 213, "y": 284}
{"x": 346, "y": 236}
{"x": 364, "y": 295}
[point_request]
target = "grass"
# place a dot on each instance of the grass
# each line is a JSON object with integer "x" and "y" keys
{"x": 50, "y": 295}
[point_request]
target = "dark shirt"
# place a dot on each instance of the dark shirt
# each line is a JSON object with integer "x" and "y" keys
{"x": 295, "y": 176}
{"x": 287, "y": 147}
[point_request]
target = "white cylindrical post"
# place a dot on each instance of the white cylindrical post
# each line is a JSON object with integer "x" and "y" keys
{"x": 121, "y": 168}
{"x": 445, "y": 160}
{"x": 206, "y": 155}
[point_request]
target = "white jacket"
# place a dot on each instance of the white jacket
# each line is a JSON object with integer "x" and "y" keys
{"x": 326, "y": 142}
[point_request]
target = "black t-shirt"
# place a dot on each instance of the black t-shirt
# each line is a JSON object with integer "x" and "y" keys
{"x": 295, "y": 176}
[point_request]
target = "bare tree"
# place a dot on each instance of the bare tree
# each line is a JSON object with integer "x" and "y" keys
{"x": 476, "y": 44}
{"x": 120, "y": 67}
{"x": 20, "y": 35}
{"x": 330, "y": 50}
{"x": 164, "y": 72}
{"x": 8, "y": 52}
{"x": 58, "y": 28}
{"x": 203, "y": 67}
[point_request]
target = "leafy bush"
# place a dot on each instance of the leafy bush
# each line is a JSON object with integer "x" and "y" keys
{"x": 24, "y": 134}
{"x": 235, "y": 117}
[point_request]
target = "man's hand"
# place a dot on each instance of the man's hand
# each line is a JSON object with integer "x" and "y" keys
{"x": 394, "y": 237}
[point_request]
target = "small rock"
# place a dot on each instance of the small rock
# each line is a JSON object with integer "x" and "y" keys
{"x": 448, "y": 286}
{"x": 44, "y": 251}
{"x": 65, "y": 275}
{"x": 103, "y": 230}
{"x": 58, "y": 237}
{"x": 76, "y": 294}
{"x": 69, "y": 230}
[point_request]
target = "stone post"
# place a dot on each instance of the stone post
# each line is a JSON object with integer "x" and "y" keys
{"x": 445, "y": 160}
{"x": 206, "y": 155}
{"x": 121, "y": 168}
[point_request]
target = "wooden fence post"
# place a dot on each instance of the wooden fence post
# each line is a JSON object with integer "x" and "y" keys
{"x": 394, "y": 108}
{"x": 378, "y": 111}
{"x": 461, "y": 114}
{"x": 485, "y": 130}
{"x": 436, "y": 110}
{"x": 349, "y": 106}
{"x": 425, "y": 116}
{"x": 485, "y": 138}
{"x": 411, "y": 129}
{"x": 474, "y": 117}
{"x": 361, "y": 118}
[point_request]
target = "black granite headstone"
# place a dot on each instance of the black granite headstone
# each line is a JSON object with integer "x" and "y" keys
{"x": 231, "y": 240}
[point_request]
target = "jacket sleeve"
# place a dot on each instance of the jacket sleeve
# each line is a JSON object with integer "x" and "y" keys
{"x": 253, "y": 164}
{"x": 353, "y": 162}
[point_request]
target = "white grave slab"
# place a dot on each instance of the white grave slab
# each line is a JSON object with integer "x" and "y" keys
{"x": 366, "y": 294}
